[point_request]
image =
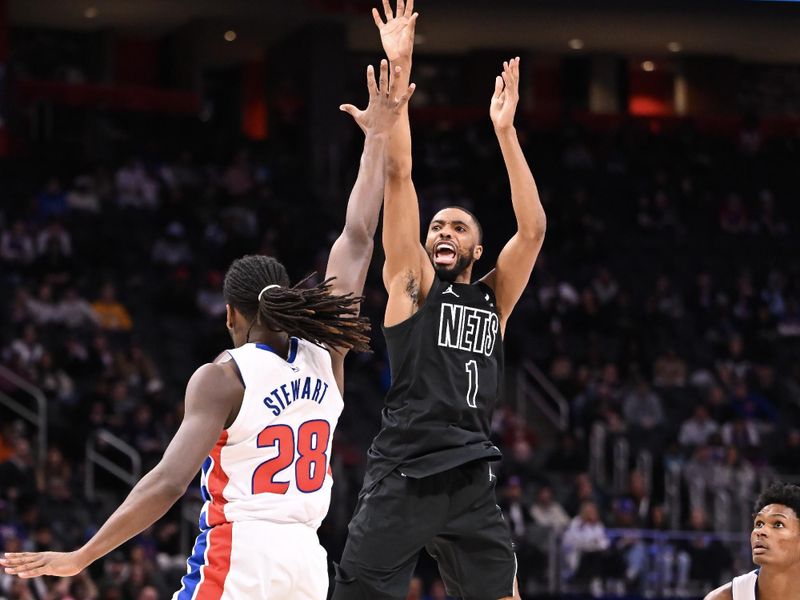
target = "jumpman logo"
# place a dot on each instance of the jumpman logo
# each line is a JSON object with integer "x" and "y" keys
{"x": 449, "y": 290}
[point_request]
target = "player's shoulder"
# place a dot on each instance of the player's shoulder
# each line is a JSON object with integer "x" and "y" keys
{"x": 724, "y": 592}
{"x": 218, "y": 378}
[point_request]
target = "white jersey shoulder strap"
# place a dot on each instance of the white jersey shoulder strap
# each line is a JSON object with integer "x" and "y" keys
{"x": 744, "y": 586}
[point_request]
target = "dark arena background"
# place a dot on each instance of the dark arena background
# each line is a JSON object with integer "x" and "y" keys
{"x": 653, "y": 364}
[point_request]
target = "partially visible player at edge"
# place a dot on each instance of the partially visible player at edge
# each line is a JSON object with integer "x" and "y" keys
{"x": 428, "y": 482}
{"x": 260, "y": 419}
{"x": 775, "y": 543}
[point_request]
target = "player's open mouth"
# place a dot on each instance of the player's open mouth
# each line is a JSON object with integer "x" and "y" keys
{"x": 759, "y": 548}
{"x": 444, "y": 254}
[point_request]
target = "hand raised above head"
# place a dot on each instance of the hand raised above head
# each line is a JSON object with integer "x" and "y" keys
{"x": 384, "y": 105}
{"x": 506, "y": 95}
{"x": 397, "y": 33}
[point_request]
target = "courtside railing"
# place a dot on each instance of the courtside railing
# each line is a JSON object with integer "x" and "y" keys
{"x": 652, "y": 563}
{"x": 34, "y": 410}
{"x": 534, "y": 388}
{"x": 98, "y": 441}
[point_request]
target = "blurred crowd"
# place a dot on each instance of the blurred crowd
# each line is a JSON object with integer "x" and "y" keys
{"x": 665, "y": 309}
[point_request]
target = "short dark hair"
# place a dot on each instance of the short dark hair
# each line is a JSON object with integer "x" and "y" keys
{"x": 474, "y": 218}
{"x": 786, "y": 494}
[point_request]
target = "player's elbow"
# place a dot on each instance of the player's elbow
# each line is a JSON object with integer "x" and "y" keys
{"x": 359, "y": 235}
{"x": 398, "y": 168}
{"x": 535, "y": 231}
{"x": 168, "y": 485}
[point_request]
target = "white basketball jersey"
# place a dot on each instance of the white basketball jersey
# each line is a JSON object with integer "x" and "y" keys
{"x": 744, "y": 586}
{"x": 273, "y": 462}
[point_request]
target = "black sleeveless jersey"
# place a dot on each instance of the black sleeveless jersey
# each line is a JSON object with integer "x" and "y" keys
{"x": 447, "y": 366}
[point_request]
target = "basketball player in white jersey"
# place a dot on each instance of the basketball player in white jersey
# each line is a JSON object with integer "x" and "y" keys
{"x": 775, "y": 542}
{"x": 260, "y": 419}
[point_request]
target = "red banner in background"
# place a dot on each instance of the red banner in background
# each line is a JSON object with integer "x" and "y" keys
{"x": 254, "y": 100}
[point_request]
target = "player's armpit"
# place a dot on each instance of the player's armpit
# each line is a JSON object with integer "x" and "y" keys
{"x": 407, "y": 291}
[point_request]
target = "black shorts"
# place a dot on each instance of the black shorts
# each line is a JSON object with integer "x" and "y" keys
{"x": 454, "y": 515}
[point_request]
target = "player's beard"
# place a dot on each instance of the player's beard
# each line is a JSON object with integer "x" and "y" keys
{"x": 449, "y": 274}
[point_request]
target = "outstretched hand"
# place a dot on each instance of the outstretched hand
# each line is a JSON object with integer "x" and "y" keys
{"x": 384, "y": 105}
{"x": 35, "y": 564}
{"x": 506, "y": 95}
{"x": 397, "y": 34}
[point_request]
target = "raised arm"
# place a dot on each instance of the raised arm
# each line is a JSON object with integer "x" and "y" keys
{"x": 211, "y": 394}
{"x": 352, "y": 252}
{"x": 516, "y": 260}
{"x": 407, "y": 273}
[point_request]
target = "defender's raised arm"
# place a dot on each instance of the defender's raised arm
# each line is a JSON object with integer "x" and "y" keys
{"x": 352, "y": 252}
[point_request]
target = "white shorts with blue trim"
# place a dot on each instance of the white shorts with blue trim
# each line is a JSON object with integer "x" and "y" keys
{"x": 256, "y": 560}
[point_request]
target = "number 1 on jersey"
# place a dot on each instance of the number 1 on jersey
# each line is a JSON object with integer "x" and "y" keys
{"x": 472, "y": 372}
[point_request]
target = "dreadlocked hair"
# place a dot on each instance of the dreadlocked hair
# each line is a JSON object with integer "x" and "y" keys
{"x": 309, "y": 313}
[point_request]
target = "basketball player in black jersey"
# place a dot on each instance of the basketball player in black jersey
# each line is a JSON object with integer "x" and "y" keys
{"x": 429, "y": 482}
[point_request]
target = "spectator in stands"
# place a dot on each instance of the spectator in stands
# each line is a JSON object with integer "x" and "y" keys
{"x": 644, "y": 414}
{"x": 83, "y": 196}
{"x": 238, "y": 178}
{"x": 54, "y": 263}
{"x": 709, "y": 557}
{"x": 54, "y": 381}
{"x": 172, "y": 249}
{"x": 16, "y": 247}
{"x": 697, "y": 430}
{"x": 54, "y": 236}
{"x": 135, "y": 188}
{"x": 26, "y": 348}
{"x": 586, "y": 549}
{"x": 669, "y": 370}
{"x": 75, "y": 312}
{"x": 546, "y": 512}
{"x": 767, "y": 221}
{"x": 583, "y": 491}
{"x": 42, "y": 309}
{"x": 51, "y": 201}
{"x": 18, "y": 472}
{"x": 209, "y": 297}
{"x": 138, "y": 370}
{"x": 605, "y": 287}
{"x": 741, "y": 433}
{"x": 517, "y": 515}
{"x": 719, "y": 404}
{"x": 112, "y": 314}
{"x": 735, "y": 475}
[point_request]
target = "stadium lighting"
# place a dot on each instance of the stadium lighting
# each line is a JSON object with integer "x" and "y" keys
{"x": 91, "y": 12}
{"x": 674, "y": 47}
{"x": 230, "y": 35}
{"x": 576, "y": 44}
{"x": 649, "y": 66}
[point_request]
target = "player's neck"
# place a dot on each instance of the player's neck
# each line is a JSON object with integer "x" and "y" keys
{"x": 277, "y": 340}
{"x": 465, "y": 276}
{"x": 775, "y": 583}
